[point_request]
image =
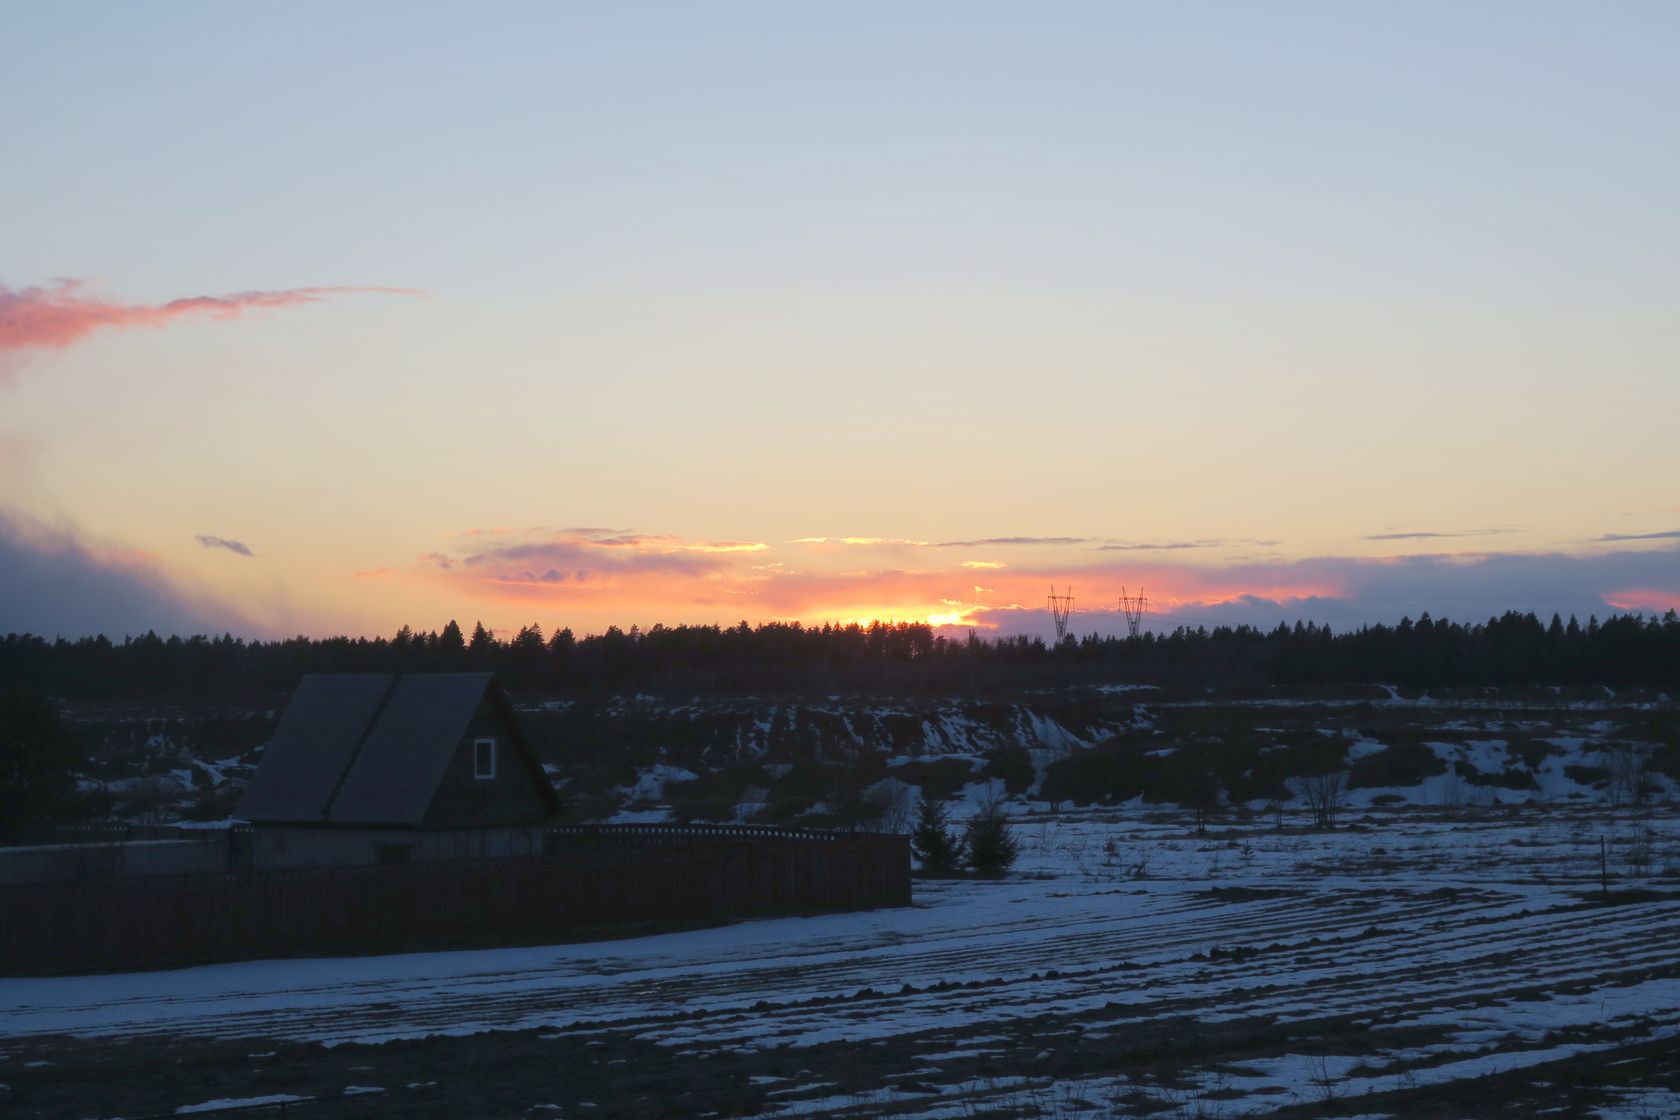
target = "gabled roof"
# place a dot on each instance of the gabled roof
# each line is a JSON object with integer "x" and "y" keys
{"x": 405, "y": 754}
{"x": 317, "y": 737}
{"x": 372, "y": 748}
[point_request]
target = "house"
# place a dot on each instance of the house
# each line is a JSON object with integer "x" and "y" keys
{"x": 376, "y": 768}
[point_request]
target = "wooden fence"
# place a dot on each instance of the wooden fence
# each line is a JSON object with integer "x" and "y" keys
{"x": 598, "y": 836}
{"x": 34, "y": 831}
{"x": 596, "y": 882}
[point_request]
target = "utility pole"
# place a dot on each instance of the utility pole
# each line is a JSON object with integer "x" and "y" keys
{"x": 1132, "y": 607}
{"x": 1061, "y": 606}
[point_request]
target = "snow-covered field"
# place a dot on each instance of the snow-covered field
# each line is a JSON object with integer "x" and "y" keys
{"x": 1128, "y": 967}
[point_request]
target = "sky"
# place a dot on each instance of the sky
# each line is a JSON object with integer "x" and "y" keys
{"x": 322, "y": 318}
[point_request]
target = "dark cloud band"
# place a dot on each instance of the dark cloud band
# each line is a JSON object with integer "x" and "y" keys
{"x": 239, "y": 547}
{"x": 988, "y": 542}
{"x": 1433, "y": 536}
{"x": 51, "y": 583}
{"x": 1665, "y": 535}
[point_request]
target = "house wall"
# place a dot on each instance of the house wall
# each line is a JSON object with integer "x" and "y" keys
{"x": 278, "y": 848}
{"x": 511, "y": 797}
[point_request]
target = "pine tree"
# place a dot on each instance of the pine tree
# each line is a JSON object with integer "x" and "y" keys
{"x": 991, "y": 848}
{"x": 932, "y": 841}
{"x": 39, "y": 757}
{"x": 450, "y": 642}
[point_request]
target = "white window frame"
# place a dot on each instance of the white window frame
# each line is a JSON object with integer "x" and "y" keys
{"x": 478, "y": 774}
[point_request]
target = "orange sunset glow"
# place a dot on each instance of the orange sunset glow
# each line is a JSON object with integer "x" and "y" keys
{"x": 983, "y": 559}
{"x": 633, "y": 577}
{"x": 724, "y": 344}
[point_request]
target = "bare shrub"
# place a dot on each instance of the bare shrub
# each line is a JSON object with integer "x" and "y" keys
{"x": 1275, "y": 807}
{"x": 1640, "y": 852}
{"x": 1323, "y": 1077}
{"x": 1627, "y": 770}
{"x": 1323, "y": 793}
{"x": 896, "y": 802}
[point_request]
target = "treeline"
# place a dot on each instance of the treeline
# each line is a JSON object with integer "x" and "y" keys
{"x": 898, "y": 658}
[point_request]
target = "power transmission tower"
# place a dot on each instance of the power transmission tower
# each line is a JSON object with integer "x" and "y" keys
{"x": 1132, "y": 607}
{"x": 1060, "y": 607}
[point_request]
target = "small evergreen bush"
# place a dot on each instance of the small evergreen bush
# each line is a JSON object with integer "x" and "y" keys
{"x": 932, "y": 841}
{"x": 991, "y": 848}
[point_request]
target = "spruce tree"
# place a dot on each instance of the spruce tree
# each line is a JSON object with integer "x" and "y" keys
{"x": 932, "y": 841}
{"x": 450, "y": 643}
{"x": 991, "y": 848}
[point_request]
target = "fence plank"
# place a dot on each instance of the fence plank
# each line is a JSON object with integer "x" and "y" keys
{"x": 595, "y": 881}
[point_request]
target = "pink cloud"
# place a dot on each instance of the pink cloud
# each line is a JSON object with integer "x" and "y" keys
{"x": 61, "y": 314}
{"x": 543, "y": 563}
{"x": 1644, "y": 599}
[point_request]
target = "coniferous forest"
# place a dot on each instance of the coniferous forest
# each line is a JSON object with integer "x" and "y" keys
{"x": 882, "y": 658}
